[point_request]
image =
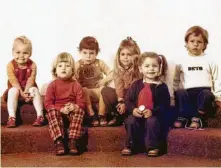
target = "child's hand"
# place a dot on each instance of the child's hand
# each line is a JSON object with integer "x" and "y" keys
{"x": 121, "y": 108}
{"x": 72, "y": 107}
{"x": 137, "y": 113}
{"x": 218, "y": 103}
{"x": 147, "y": 113}
{"x": 64, "y": 110}
{"x": 100, "y": 83}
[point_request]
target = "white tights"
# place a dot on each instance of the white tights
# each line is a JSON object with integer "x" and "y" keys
{"x": 12, "y": 102}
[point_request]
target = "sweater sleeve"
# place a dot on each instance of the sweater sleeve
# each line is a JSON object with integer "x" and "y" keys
{"x": 11, "y": 76}
{"x": 107, "y": 71}
{"x": 178, "y": 78}
{"x": 216, "y": 81}
{"x": 119, "y": 85}
{"x": 31, "y": 79}
{"x": 49, "y": 101}
{"x": 130, "y": 99}
{"x": 162, "y": 100}
{"x": 80, "y": 101}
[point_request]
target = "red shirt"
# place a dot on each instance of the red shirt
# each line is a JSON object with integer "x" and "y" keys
{"x": 145, "y": 97}
{"x": 60, "y": 92}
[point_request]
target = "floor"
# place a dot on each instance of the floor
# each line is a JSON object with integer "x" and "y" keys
{"x": 103, "y": 159}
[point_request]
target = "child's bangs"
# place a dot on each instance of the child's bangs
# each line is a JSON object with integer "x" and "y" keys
{"x": 65, "y": 58}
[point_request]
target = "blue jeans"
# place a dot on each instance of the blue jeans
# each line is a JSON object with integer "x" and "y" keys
{"x": 190, "y": 101}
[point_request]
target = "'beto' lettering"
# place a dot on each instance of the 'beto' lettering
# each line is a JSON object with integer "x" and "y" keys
{"x": 195, "y": 68}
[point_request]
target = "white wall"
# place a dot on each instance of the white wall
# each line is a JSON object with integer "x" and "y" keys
{"x": 55, "y": 26}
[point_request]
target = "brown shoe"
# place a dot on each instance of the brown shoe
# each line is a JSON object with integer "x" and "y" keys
{"x": 153, "y": 153}
{"x": 72, "y": 147}
{"x": 103, "y": 121}
{"x": 59, "y": 148}
{"x": 11, "y": 122}
{"x": 39, "y": 121}
{"x": 126, "y": 152}
{"x": 94, "y": 122}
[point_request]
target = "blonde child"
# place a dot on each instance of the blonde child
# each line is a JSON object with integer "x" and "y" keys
{"x": 125, "y": 73}
{"x": 90, "y": 73}
{"x": 197, "y": 82}
{"x": 147, "y": 101}
{"x": 64, "y": 100}
{"x": 22, "y": 88}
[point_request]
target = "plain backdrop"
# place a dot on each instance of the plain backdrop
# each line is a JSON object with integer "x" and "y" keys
{"x": 56, "y": 26}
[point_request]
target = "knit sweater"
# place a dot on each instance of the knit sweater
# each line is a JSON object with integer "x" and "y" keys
{"x": 198, "y": 71}
{"x": 60, "y": 92}
{"x": 93, "y": 75}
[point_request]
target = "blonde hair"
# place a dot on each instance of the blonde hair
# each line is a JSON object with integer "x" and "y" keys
{"x": 23, "y": 40}
{"x": 197, "y": 30}
{"x": 160, "y": 59}
{"x": 63, "y": 57}
{"x": 132, "y": 46}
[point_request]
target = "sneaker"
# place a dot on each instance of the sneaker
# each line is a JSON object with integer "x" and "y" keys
{"x": 94, "y": 122}
{"x": 59, "y": 148}
{"x": 153, "y": 153}
{"x": 72, "y": 147}
{"x": 112, "y": 122}
{"x": 180, "y": 122}
{"x": 103, "y": 121}
{"x": 196, "y": 123}
{"x": 39, "y": 121}
{"x": 126, "y": 151}
{"x": 11, "y": 122}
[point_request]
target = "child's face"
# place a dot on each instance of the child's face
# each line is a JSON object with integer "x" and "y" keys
{"x": 64, "y": 70}
{"x": 150, "y": 68}
{"x": 126, "y": 57}
{"x": 21, "y": 53}
{"x": 195, "y": 44}
{"x": 88, "y": 56}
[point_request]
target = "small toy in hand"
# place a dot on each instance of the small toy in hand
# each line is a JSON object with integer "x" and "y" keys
{"x": 145, "y": 112}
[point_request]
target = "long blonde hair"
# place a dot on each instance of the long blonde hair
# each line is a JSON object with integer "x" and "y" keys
{"x": 63, "y": 57}
{"x": 132, "y": 46}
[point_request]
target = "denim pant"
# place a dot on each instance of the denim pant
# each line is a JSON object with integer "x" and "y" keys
{"x": 142, "y": 131}
{"x": 190, "y": 101}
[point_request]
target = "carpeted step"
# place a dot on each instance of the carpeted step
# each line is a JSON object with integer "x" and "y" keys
{"x": 27, "y": 138}
{"x": 27, "y": 114}
{"x": 203, "y": 143}
{"x": 216, "y": 121}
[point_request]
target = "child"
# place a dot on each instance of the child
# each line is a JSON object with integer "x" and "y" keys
{"x": 147, "y": 101}
{"x": 198, "y": 81}
{"x": 22, "y": 88}
{"x": 90, "y": 73}
{"x": 125, "y": 73}
{"x": 64, "y": 100}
